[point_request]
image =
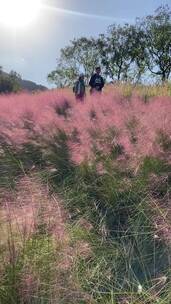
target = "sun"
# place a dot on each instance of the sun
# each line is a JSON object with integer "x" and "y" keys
{"x": 18, "y": 13}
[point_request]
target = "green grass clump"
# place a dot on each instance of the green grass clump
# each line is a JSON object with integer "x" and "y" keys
{"x": 116, "y": 247}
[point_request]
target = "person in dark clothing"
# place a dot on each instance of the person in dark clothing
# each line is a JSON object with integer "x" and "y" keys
{"x": 79, "y": 88}
{"x": 96, "y": 82}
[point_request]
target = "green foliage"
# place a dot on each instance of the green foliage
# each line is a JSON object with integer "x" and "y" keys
{"x": 152, "y": 165}
{"x": 58, "y": 155}
{"x": 10, "y": 167}
{"x": 9, "y": 83}
{"x": 157, "y": 40}
{"x": 124, "y": 250}
{"x": 126, "y": 53}
{"x": 81, "y": 55}
{"x": 15, "y": 163}
{"x": 38, "y": 257}
{"x": 111, "y": 243}
{"x": 63, "y": 76}
{"x": 121, "y": 52}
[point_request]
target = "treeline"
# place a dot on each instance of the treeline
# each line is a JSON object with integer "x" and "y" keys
{"x": 132, "y": 52}
{"x": 9, "y": 83}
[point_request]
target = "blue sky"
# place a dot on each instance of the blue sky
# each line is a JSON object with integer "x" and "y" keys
{"x": 32, "y": 51}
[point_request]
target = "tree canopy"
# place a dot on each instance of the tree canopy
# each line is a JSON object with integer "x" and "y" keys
{"x": 9, "y": 82}
{"x": 126, "y": 52}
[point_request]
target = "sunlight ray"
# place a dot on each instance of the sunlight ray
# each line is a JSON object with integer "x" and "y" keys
{"x": 80, "y": 14}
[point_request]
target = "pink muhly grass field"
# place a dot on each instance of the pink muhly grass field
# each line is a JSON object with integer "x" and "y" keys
{"x": 45, "y": 113}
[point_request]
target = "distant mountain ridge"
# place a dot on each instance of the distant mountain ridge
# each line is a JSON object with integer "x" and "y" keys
{"x": 28, "y": 85}
{"x": 31, "y": 86}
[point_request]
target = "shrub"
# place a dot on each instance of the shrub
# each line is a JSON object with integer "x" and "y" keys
{"x": 8, "y": 84}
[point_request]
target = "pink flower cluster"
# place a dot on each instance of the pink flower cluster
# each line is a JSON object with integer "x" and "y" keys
{"x": 130, "y": 122}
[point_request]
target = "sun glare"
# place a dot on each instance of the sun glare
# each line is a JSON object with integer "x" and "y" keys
{"x": 18, "y": 13}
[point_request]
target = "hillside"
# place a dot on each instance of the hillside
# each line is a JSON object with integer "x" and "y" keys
{"x": 27, "y": 85}
{"x": 85, "y": 189}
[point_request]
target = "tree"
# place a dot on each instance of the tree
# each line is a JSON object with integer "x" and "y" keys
{"x": 81, "y": 56}
{"x": 120, "y": 52}
{"x": 64, "y": 75}
{"x": 14, "y": 75}
{"x": 157, "y": 41}
{"x": 85, "y": 55}
{"x": 125, "y": 53}
{"x": 9, "y": 82}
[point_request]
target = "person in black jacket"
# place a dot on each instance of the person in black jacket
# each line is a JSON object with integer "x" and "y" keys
{"x": 96, "y": 82}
